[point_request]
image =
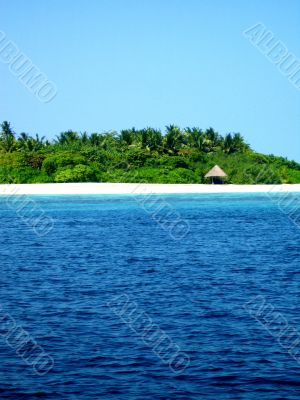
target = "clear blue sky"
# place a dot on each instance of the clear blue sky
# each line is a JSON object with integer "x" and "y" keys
{"x": 119, "y": 64}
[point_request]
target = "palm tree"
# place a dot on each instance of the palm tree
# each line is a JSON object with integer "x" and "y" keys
{"x": 67, "y": 137}
{"x": 151, "y": 139}
{"x": 228, "y": 144}
{"x": 213, "y": 139}
{"x": 108, "y": 140}
{"x": 235, "y": 144}
{"x": 84, "y": 137}
{"x": 239, "y": 143}
{"x": 95, "y": 139}
{"x": 7, "y": 137}
{"x": 128, "y": 136}
{"x": 28, "y": 143}
{"x": 194, "y": 138}
{"x": 174, "y": 139}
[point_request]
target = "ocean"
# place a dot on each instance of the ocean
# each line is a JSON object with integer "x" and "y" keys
{"x": 159, "y": 297}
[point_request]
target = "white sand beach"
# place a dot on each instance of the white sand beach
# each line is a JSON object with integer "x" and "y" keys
{"x": 137, "y": 188}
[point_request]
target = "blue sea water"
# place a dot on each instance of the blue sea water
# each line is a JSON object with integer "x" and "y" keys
{"x": 57, "y": 287}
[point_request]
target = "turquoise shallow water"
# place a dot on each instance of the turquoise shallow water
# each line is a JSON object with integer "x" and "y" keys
{"x": 192, "y": 282}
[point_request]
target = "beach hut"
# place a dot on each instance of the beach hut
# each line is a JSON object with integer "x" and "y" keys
{"x": 216, "y": 175}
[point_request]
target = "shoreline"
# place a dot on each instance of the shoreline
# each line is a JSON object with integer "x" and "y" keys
{"x": 138, "y": 188}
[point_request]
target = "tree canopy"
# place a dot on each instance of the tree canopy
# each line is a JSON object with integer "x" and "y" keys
{"x": 178, "y": 155}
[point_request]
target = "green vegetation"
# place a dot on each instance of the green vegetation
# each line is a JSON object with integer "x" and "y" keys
{"x": 146, "y": 155}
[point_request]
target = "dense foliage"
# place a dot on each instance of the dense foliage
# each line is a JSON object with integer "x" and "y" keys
{"x": 146, "y": 155}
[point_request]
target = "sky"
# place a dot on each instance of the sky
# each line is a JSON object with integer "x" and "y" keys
{"x": 135, "y": 63}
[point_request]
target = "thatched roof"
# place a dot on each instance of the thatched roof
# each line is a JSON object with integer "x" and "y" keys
{"x": 216, "y": 171}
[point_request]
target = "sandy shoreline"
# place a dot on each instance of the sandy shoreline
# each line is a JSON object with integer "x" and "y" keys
{"x": 135, "y": 188}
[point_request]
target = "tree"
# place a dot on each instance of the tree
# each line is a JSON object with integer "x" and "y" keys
{"x": 178, "y": 155}
{"x": 7, "y": 137}
{"x": 235, "y": 144}
{"x": 174, "y": 139}
{"x": 84, "y": 137}
{"x": 213, "y": 139}
{"x": 80, "y": 173}
{"x": 95, "y": 139}
{"x": 128, "y": 136}
{"x": 151, "y": 139}
{"x": 67, "y": 137}
{"x": 28, "y": 143}
{"x": 198, "y": 140}
{"x": 239, "y": 144}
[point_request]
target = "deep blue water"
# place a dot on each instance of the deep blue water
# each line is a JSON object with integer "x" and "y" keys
{"x": 57, "y": 288}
